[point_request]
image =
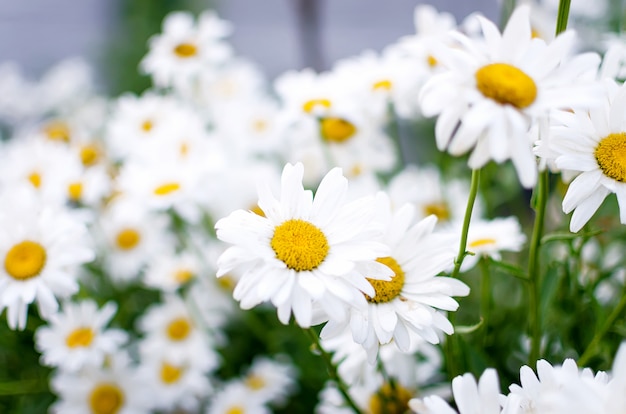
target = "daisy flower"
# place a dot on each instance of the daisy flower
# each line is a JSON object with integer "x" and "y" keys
{"x": 491, "y": 237}
{"x": 497, "y": 87}
{"x": 41, "y": 248}
{"x": 235, "y": 398}
{"x": 303, "y": 249}
{"x": 270, "y": 380}
{"x": 407, "y": 304}
{"x": 591, "y": 144}
{"x": 77, "y": 336}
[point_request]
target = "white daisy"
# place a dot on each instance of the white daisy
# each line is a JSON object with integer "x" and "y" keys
{"x": 270, "y": 380}
{"x": 77, "y": 337}
{"x": 491, "y": 237}
{"x": 304, "y": 249}
{"x": 170, "y": 271}
{"x": 496, "y": 88}
{"x": 41, "y": 248}
{"x": 591, "y": 144}
{"x": 235, "y": 398}
{"x": 407, "y": 304}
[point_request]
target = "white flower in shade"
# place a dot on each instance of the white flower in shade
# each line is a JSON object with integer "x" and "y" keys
{"x": 174, "y": 385}
{"x": 409, "y": 303}
{"x": 235, "y": 397}
{"x": 491, "y": 237}
{"x": 496, "y": 88}
{"x": 304, "y": 249}
{"x": 172, "y": 332}
{"x": 41, "y": 248}
{"x": 591, "y": 144}
{"x": 483, "y": 397}
{"x": 117, "y": 387}
{"x": 185, "y": 47}
{"x": 170, "y": 271}
{"x": 77, "y": 337}
{"x": 131, "y": 237}
{"x": 270, "y": 380}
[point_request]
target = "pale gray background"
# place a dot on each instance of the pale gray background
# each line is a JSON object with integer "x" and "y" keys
{"x": 38, "y": 33}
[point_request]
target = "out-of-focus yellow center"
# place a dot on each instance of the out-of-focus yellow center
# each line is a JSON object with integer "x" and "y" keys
{"x": 299, "y": 244}
{"x": 89, "y": 155}
{"x": 481, "y": 242}
{"x": 390, "y": 400}
{"x": 386, "y": 291}
{"x": 25, "y": 260}
{"x": 336, "y": 130}
{"x": 432, "y": 61}
{"x": 106, "y": 398}
{"x": 179, "y": 329}
{"x": 255, "y": 382}
{"x": 57, "y": 131}
{"x": 80, "y": 338}
{"x": 127, "y": 239}
{"x": 183, "y": 275}
{"x": 147, "y": 125}
{"x": 186, "y": 50}
{"x": 75, "y": 191}
{"x": 310, "y": 105}
{"x": 171, "y": 374}
{"x": 506, "y": 85}
{"x": 236, "y": 409}
{"x": 35, "y": 179}
{"x": 384, "y": 85}
{"x": 167, "y": 188}
{"x": 439, "y": 209}
{"x": 611, "y": 156}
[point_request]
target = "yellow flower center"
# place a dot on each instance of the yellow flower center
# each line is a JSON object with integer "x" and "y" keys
{"x": 186, "y": 50}
{"x": 386, "y": 291}
{"x": 25, "y": 260}
{"x": 506, "y": 84}
{"x": 75, "y": 191}
{"x": 384, "y": 84}
{"x": 259, "y": 125}
{"x": 439, "y": 209}
{"x": 432, "y": 61}
{"x": 390, "y": 400}
{"x": 183, "y": 275}
{"x": 255, "y": 382}
{"x": 35, "y": 179}
{"x": 147, "y": 125}
{"x": 79, "y": 337}
{"x": 226, "y": 283}
{"x": 179, "y": 329}
{"x": 481, "y": 242}
{"x": 236, "y": 409}
{"x": 166, "y": 189}
{"x": 299, "y": 244}
{"x": 257, "y": 210}
{"x": 336, "y": 129}
{"x": 611, "y": 156}
{"x": 310, "y": 105}
{"x": 57, "y": 131}
{"x": 170, "y": 373}
{"x": 106, "y": 398}
{"x": 128, "y": 239}
{"x": 89, "y": 155}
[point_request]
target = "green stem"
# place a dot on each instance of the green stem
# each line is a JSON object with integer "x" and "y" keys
{"x": 505, "y": 12}
{"x": 592, "y": 348}
{"x": 485, "y": 295}
{"x": 21, "y": 387}
{"x": 332, "y": 370}
{"x": 451, "y": 345}
{"x": 562, "y": 16}
{"x": 541, "y": 200}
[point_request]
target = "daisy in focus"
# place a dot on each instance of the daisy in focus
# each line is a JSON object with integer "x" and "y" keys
{"x": 407, "y": 305}
{"x": 497, "y": 87}
{"x": 592, "y": 145}
{"x": 304, "y": 249}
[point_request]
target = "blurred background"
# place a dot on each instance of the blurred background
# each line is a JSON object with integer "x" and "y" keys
{"x": 277, "y": 34}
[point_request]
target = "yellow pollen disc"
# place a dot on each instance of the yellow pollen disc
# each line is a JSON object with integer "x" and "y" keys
{"x": 432, "y": 61}
{"x": 506, "y": 85}
{"x": 387, "y": 291}
{"x": 309, "y": 106}
{"x": 57, "y": 131}
{"x": 75, "y": 191}
{"x": 184, "y": 149}
{"x": 127, "y": 239}
{"x": 166, "y": 189}
{"x": 481, "y": 242}
{"x": 79, "y": 337}
{"x": 236, "y": 409}
{"x": 438, "y": 209}
{"x": 336, "y": 129}
{"x": 259, "y": 126}
{"x": 356, "y": 170}
{"x": 255, "y": 382}
{"x": 170, "y": 373}
{"x": 390, "y": 400}
{"x": 106, "y": 398}
{"x": 534, "y": 33}
{"x": 299, "y": 244}
{"x": 147, "y": 125}
{"x": 226, "y": 282}
{"x": 25, "y": 260}
{"x": 178, "y": 329}
{"x": 89, "y": 155}
{"x": 186, "y": 50}
{"x": 611, "y": 156}
{"x": 257, "y": 210}
{"x": 35, "y": 179}
{"x": 183, "y": 275}
{"x": 384, "y": 84}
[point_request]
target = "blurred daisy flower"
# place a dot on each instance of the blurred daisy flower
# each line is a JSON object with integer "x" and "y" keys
{"x": 497, "y": 87}
{"x": 303, "y": 249}
{"x": 491, "y": 237}
{"x": 270, "y": 380}
{"x": 77, "y": 337}
{"x": 235, "y": 397}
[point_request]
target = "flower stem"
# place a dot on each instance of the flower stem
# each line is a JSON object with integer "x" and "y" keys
{"x": 332, "y": 370}
{"x": 541, "y": 200}
{"x": 562, "y": 16}
{"x": 485, "y": 295}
